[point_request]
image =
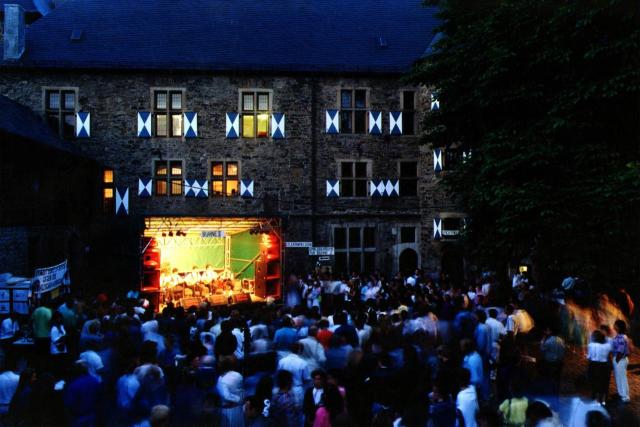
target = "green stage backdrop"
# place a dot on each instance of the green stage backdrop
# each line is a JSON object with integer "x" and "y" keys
{"x": 184, "y": 257}
{"x": 244, "y": 248}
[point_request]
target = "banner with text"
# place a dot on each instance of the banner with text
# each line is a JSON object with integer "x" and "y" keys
{"x": 322, "y": 251}
{"x": 49, "y": 278}
{"x": 298, "y": 244}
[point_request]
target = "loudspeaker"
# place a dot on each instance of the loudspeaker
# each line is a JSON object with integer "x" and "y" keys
{"x": 261, "y": 273}
{"x": 241, "y": 298}
{"x": 219, "y": 299}
{"x": 151, "y": 280}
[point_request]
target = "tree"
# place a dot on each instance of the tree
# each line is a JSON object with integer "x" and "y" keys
{"x": 546, "y": 94}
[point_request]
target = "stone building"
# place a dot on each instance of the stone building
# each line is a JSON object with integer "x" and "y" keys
{"x": 292, "y": 115}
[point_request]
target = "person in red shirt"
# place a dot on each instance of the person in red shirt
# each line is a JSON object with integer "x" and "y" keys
{"x": 324, "y": 334}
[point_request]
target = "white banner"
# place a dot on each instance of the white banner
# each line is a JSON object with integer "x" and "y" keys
{"x": 298, "y": 244}
{"x": 49, "y": 278}
{"x": 322, "y": 250}
{"x": 212, "y": 234}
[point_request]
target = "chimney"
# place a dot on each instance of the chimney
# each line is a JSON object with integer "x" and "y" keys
{"x": 13, "y": 32}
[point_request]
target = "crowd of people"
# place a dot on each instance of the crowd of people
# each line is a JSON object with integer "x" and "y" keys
{"x": 355, "y": 351}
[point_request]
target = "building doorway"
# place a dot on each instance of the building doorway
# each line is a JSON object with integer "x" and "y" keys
{"x": 452, "y": 263}
{"x": 408, "y": 261}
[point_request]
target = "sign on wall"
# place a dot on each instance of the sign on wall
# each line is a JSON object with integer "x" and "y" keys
{"x": 211, "y": 234}
{"x": 298, "y": 244}
{"x": 49, "y": 278}
{"x": 322, "y": 250}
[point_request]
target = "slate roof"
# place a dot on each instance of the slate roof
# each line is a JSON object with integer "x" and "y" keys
{"x": 329, "y": 36}
{"x": 18, "y": 120}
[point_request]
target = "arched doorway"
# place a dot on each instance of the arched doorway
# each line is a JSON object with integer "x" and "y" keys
{"x": 408, "y": 261}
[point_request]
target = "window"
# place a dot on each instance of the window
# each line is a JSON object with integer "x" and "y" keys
{"x": 60, "y": 109}
{"x": 167, "y": 112}
{"x": 408, "y": 112}
{"x": 167, "y": 177}
{"x": 407, "y": 234}
{"x": 256, "y": 107}
{"x": 354, "y": 179}
{"x": 108, "y": 191}
{"x": 409, "y": 179}
{"x": 355, "y": 249}
{"x": 353, "y": 111}
{"x": 224, "y": 179}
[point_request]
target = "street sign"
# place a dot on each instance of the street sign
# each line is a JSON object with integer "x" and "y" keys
{"x": 298, "y": 244}
{"x": 322, "y": 250}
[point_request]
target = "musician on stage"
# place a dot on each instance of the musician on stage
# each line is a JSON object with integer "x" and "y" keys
{"x": 194, "y": 281}
{"x": 209, "y": 277}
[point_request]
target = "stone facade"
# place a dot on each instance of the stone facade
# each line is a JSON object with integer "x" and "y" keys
{"x": 289, "y": 174}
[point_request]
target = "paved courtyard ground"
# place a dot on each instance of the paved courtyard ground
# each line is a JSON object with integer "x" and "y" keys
{"x": 576, "y": 366}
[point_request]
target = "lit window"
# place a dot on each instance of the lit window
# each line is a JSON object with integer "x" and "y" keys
{"x": 167, "y": 177}
{"x": 108, "y": 191}
{"x": 224, "y": 179}
{"x": 168, "y": 113}
{"x": 255, "y": 114}
{"x": 248, "y": 126}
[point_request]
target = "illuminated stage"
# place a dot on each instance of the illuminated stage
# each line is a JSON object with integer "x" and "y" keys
{"x": 188, "y": 260}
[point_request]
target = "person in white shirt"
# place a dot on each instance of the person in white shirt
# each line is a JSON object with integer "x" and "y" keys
{"x": 311, "y": 292}
{"x": 467, "y": 399}
{"x": 312, "y": 350}
{"x": 496, "y": 328}
{"x": 126, "y": 389}
{"x": 9, "y": 327}
{"x": 516, "y": 280}
{"x": 511, "y": 325}
{"x": 8, "y": 385}
{"x": 231, "y": 391}
{"x": 58, "y": 335}
{"x": 94, "y": 363}
{"x": 299, "y": 369}
{"x": 580, "y": 407}
{"x": 598, "y": 352}
{"x": 149, "y": 330}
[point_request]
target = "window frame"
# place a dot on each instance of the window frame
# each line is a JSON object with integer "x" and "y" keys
{"x": 356, "y": 251}
{"x": 402, "y": 179}
{"x": 353, "y": 179}
{"x": 353, "y": 110}
{"x": 169, "y": 178}
{"x": 255, "y": 112}
{"x": 60, "y": 112}
{"x": 409, "y": 113}
{"x": 168, "y": 111}
{"x": 224, "y": 178}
